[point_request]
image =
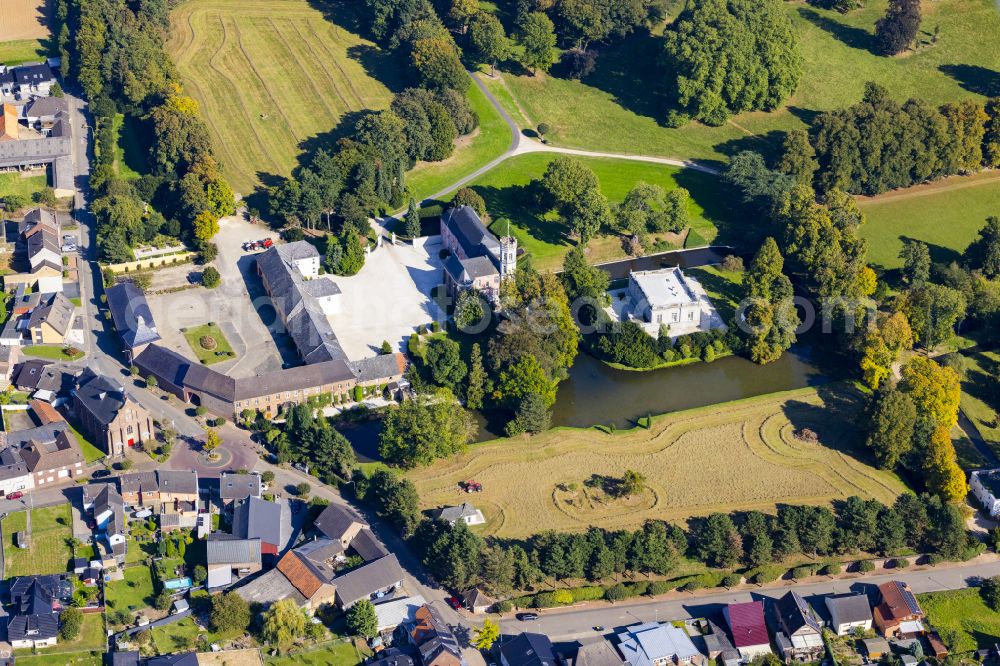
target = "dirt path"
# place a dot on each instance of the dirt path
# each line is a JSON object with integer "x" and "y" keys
{"x": 950, "y": 184}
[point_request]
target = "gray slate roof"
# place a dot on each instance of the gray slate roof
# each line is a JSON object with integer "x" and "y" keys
{"x": 528, "y": 649}
{"x": 58, "y": 314}
{"x": 269, "y": 588}
{"x": 259, "y": 519}
{"x": 131, "y": 314}
{"x": 850, "y": 607}
{"x": 795, "y": 613}
{"x": 336, "y": 519}
{"x": 178, "y": 481}
{"x": 378, "y": 367}
{"x": 239, "y": 486}
{"x": 368, "y": 579}
{"x": 232, "y": 550}
{"x": 367, "y": 546}
{"x": 293, "y": 379}
{"x": 102, "y": 396}
{"x": 470, "y": 231}
{"x": 177, "y": 370}
{"x": 452, "y": 514}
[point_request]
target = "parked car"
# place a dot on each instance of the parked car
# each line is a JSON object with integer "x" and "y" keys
{"x": 17, "y": 494}
{"x": 101, "y": 473}
{"x": 69, "y": 238}
{"x": 454, "y": 603}
{"x": 527, "y": 617}
{"x": 69, "y": 247}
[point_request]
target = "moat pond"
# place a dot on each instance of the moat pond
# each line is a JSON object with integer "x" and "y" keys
{"x": 596, "y": 394}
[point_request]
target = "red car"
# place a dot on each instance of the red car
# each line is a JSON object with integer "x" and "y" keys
{"x": 454, "y": 603}
{"x": 17, "y": 494}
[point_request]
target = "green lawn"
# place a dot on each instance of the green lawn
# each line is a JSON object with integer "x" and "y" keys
{"x": 963, "y": 620}
{"x": 339, "y": 653}
{"x": 51, "y": 529}
{"x": 13, "y": 183}
{"x": 130, "y": 161}
{"x": 945, "y": 215}
{"x": 981, "y": 397}
{"x": 91, "y": 639}
{"x": 620, "y": 107}
{"x": 95, "y": 658}
{"x": 492, "y": 139}
{"x": 544, "y": 237}
{"x": 16, "y": 51}
{"x": 51, "y": 352}
{"x": 221, "y": 352}
{"x": 90, "y": 452}
{"x": 133, "y": 593}
{"x": 724, "y": 288}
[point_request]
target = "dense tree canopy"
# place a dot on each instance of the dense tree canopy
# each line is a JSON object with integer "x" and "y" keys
{"x": 731, "y": 56}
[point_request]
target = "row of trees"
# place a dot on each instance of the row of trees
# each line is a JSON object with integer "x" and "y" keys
{"x": 880, "y": 144}
{"x": 313, "y": 441}
{"x": 459, "y": 558}
{"x": 119, "y": 60}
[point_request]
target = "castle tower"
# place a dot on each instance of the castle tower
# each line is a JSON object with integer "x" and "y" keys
{"x": 508, "y": 255}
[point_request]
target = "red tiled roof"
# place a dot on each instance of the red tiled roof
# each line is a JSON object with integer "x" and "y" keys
{"x": 299, "y": 575}
{"x": 45, "y": 412}
{"x": 746, "y": 623}
{"x": 898, "y": 602}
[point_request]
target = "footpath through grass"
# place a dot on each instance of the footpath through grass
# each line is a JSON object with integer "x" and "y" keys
{"x": 209, "y": 344}
{"x": 51, "y": 530}
{"x": 946, "y": 215}
{"x": 621, "y": 106}
{"x": 508, "y": 197}
{"x": 964, "y": 621}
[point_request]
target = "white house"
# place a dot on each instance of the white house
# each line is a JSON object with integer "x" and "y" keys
{"x": 849, "y": 612}
{"x": 465, "y": 512}
{"x": 14, "y": 473}
{"x": 665, "y": 297}
{"x": 654, "y": 644}
{"x": 985, "y": 485}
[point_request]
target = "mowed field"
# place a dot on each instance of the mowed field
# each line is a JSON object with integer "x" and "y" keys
{"x": 621, "y": 107}
{"x": 737, "y": 456}
{"x": 274, "y": 79}
{"x": 946, "y": 215}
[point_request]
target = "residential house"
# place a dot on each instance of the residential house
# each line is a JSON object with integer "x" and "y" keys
{"x": 528, "y": 649}
{"x": 478, "y": 601}
{"x": 898, "y": 612}
{"x": 315, "y": 588}
{"x": 271, "y": 522}
{"x": 233, "y": 486}
{"x": 849, "y": 612}
{"x": 23, "y": 148}
{"x": 37, "y": 602}
{"x": 384, "y": 369}
{"x": 132, "y": 318}
{"x": 53, "y": 322}
{"x": 9, "y": 358}
{"x": 14, "y": 473}
{"x": 340, "y": 523}
{"x": 747, "y": 628}
{"x": 434, "y": 639}
{"x": 799, "y": 635}
{"x": 33, "y": 79}
{"x": 655, "y": 644}
{"x": 985, "y": 485}
{"x": 597, "y": 652}
{"x": 180, "y": 659}
{"x": 108, "y": 415}
{"x": 464, "y": 512}
{"x": 109, "y": 515}
{"x": 140, "y": 489}
{"x": 229, "y": 559}
{"x": 391, "y": 657}
{"x": 53, "y": 459}
{"x": 178, "y": 490}
{"x": 391, "y": 614}
{"x": 372, "y": 580}
{"x": 42, "y": 113}
{"x": 28, "y": 374}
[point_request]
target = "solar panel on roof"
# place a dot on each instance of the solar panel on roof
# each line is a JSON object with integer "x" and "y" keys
{"x": 911, "y": 601}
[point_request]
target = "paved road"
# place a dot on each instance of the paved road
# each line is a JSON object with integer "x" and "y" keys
{"x": 574, "y": 624}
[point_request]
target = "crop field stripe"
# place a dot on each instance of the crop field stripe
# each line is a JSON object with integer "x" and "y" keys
{"x": 299, "y": 61}
{"x": 321, "y": 61}
{"x": 336, "y": 38}
{"x": 275, "y": 101}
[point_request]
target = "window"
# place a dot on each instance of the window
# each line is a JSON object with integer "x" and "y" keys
{"x": 675, "y": 316}
{"x": 691, "y": 316}
{"x": 129, "y": 430}
{"x": 659, "y": 319}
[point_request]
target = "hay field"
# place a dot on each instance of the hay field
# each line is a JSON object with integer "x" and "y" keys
{"x": 737, "y": 456}
{"x": 274, "y": 78}
{"x": 23, "y": 19}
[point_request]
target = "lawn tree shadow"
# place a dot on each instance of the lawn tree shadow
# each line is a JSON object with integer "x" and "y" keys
{"x": 768, "y": 145}
{"x": 838, "y": 419}
{"x": 384, "y": 66}
{"x": 805, "y": 115}
{"x": 328, "y": 140}
{"x": 641, "y": 90}
{"x": 974, "y": 78}
{"x": 518, "y": 202}
{"x": 707, "y": 191}
{"x": 856, "y": 38}
{"x": 981, "y": 382}
{"x": 939, "y": 253}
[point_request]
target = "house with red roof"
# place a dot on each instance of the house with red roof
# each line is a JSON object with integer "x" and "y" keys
{"x": 747, "y": 629}
{"x": 898, "y": 611}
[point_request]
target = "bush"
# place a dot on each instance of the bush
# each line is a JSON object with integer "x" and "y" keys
{"x": 865, "y": 566}
{"x": 210, "y": 277}
{"x": 639, "y": 588}
{"x": 71, "y": 620}
{"x": 542, "y": 129}
{"x": 562, "y": 597}
{"x": 798, "y": 573}
{"x": 617, "y": 592}
{"x": 732, "y": 580}
{"x": 207, "y": 342}
{"x": 899, "y": 563}
{"x": 691, "y": 585}
{"x": 935, "y": 559}
{"x": 588, "y": 593}
{"x": 732, "y": 263}
{"x": 830, "y": 570}
{"x": 504, "y": 606}
{"x": 302, "y": 489}
{"x": 200, "y": 410}
{"x": 209, "y": 251}
{"x": 544, "y": 600}
{"x": 658, "y": 587}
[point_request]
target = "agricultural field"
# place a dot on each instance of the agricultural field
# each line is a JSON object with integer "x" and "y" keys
{"x": 23, "y": 31}
{"x": 275, "y": 79}
{"x": 739, "y": 456}
{"x": 964, "y": 621}
{"x": 51, "y": 530}
{"x": 507, "y": 197}
{"x": 946, "y": 215}
{"x": 620, "y": 107}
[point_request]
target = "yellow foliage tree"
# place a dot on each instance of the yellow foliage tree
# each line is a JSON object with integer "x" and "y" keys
{"x": 944, "y": 476}
{"x": 882, "y": 346}
{"x": 206, "y": 225}
{"x": 934, "y": 389}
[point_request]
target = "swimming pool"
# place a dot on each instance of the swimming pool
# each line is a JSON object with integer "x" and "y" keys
{"x": 177, "y": 583}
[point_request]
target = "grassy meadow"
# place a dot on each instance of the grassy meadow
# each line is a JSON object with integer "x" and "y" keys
{"x": 964, "y": 621}
{"x": 981, "y": 397}
{"x": 51, "y": 529}
{"x": 508, "y": 197}
{"x": 739, "y": 457}
{"x": 946, "y": 215}
{"x": 275, "y": 79}
{"x": 620, "y": 107}
{"x": 15, "y": 183}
